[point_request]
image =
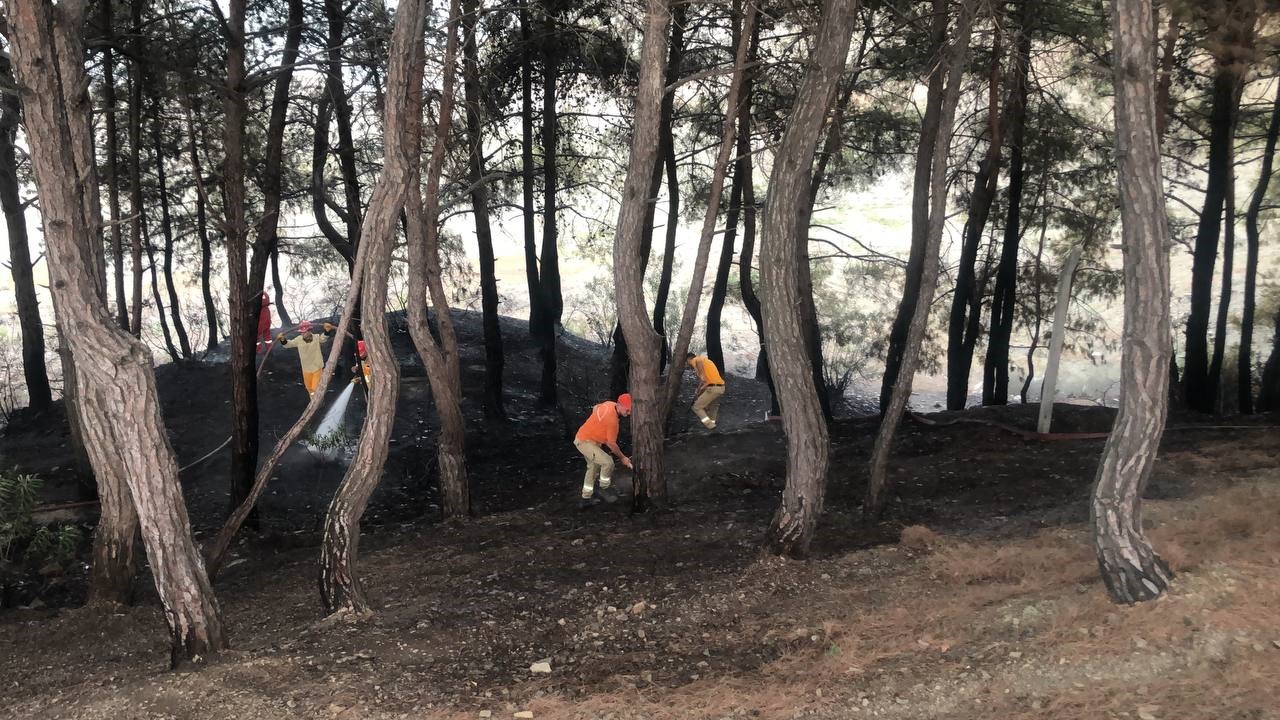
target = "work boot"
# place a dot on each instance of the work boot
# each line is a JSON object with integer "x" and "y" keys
{"x": 711, "y": 424}
{"x": 607, "y": 495}
{"x": 587, "y": 503}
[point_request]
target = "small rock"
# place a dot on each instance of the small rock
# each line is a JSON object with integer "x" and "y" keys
{"x": 543, "y": 666}
{"x": 1147, "y": 712}
{"x": 1276, "y": 643}
{"x": 1015, "y": 655}
{"x": 524, "y": 714}
{"x": 638, "y": 608}
{"x": 486, "y": 713}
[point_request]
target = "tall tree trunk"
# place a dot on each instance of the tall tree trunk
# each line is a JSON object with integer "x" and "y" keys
{"x": 112, "y": 162}
{"x": 39, "y": 394}
{"x": 319, "y": 196}
{"x": 995, "y": 371}
{"x": 493, "y": 355}
{"x": 277, "y": 282}
{"x": 125, "y": 435}
{"x": 1035, "y": 327}
{"x": 715, "y": 193}
{"x": 439, "y": 357}
{"x": 541, "y": 326}
{"x": 966, "y": 302}
{"x": 743, "y": 166}
{"x": 666, "y": 136}
{"x": 192, "y": 109}
{"x": 550, "y": 273}
{"x": 1269, "y": 396}
{"x": 136, "y": 8}
{"x": 166, "y": 226}
{"x": 1224, "y": 298}
{"x": 937, "y": 195}
{"x": 340, "y": 587}
{"x": 1130, "y": 569}
{"x": 720, "y": 288}
{"x": 643, "y": 343}
{"x": 155, "y": 292}
{"x": 244, "y": 401}
{"x": 782, "y": 276}
{"x": 1245, "y": 368}
{"x": 336, "y": 15}
{"x": 1198, "y": 383}
{"x": 911, "y": 283}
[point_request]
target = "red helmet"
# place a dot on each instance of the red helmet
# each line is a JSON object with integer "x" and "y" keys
{"x": 625, "y": 400}
{"x": 304, "y": 326}
{"x": 360, "y": 350}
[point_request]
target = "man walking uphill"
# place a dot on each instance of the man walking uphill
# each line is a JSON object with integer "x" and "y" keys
{"x": 706, "y": 402}
{"x": 308, "y": 347}
{"x": 600, "y": 431}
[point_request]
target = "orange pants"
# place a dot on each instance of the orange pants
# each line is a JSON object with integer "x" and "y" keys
{"x": 310, "y": 380}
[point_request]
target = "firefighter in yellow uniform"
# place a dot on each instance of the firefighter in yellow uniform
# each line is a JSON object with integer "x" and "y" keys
{"x": 706, "y": 402}
{"x": 308, "y": 347}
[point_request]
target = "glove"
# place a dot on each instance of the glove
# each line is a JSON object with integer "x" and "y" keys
{"x": 328, "y": 327}
{"x": 280, "y": 338}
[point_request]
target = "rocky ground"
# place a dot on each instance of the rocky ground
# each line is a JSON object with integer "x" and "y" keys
{"x": 975, "y": 596}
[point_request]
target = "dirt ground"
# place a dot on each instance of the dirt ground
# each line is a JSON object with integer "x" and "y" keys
{"x": 975, "y": 596}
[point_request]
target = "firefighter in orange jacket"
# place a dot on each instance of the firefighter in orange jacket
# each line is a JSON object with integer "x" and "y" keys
{"x": 599, "y": 432}
{"x": 363, "y": 368}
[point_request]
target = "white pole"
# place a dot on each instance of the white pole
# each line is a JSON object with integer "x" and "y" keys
{"x": 1049, "y": 387}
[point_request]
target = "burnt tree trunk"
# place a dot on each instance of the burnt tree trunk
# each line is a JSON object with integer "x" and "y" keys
{"x": 549, "y": 275}
{"x": 966, "y": 303}
{"x": 1130, "y": 569}
{"x": 720, "y": 288}
{"x": 136, "y": 8}
{"x": 1199, "y": 385}
{"x": 202, "y": 220}
{"x": 782, "y": 277}
{"x": 643, "y": 344}
{"x": 493, "y": 354}
{"x": 166, "y": 227}
{"x": 336, "y": 15}
{"x": 1252, "y": 235}
{"x": 340, "y": 587}
{"x": 39, "y": 394}
{"x": 1224, "y": 296}
{"x": 124, "y": 433}
{"x": 911, "y": 283}
{"x": 953, "y": 65}
{"x": 1269, "y": 396}
{"x": 666, "y": 136}
{"x": 995, "y": 370}
{"x": 541, "y": 328}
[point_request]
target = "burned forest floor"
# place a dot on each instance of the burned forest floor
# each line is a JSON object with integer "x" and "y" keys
{"x": 976, "y": 595}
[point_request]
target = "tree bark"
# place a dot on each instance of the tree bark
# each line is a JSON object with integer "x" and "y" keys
{"x": 1269, "y": 396}
{"x": 1130, "y": 569}
{"x": 166, "y": 226}
{"x": 666, "y": 136}
{"x": 136, "y": 8}
{"x": 340, "y": 587}
{"x": 125, "y": 435}
{"x": 1224, "y": 297}
{"x": 1200, "y": 386}
{"x": 643, "y": 343}
{"x": 493, "y": 354}
{"x": 439, "y": 357}
{"x": 937, "y": 194}
{"x": 191, "y": 109}
{"x": 39, "y": 394}
{"x": 336, "y": 15}
{"x": 112, "y": 161}
{"x": 550, "y": 272}
{"x": 277, "y": 282}
{"x": 1252, "y": 235}
{"x": 720, "y": 288}
{"x": 783, "y": 267}
{"x": 995, "y": 370}
{"x": 319, "y": 196}
{"x": 911, "y": 283}
{"x": 966, "y": 302}
{"x": 155, "y": 292}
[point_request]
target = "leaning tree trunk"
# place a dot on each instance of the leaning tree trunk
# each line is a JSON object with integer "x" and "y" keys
{"x": 966, "y": 302}
{"x": 715, "y": 192}
{"x": 720, "y": 288}
{"x": 125, "y": 435}
{"x": 786, "y": 220}
{"x": 911, "y": 283}
{"x": 340, "y": 587}
{"x": 1224, "y": 297}
{"x": 39, "y": 394}
{"x": 995, "y": 370}
{"x": 643, "y": 344}
{"x": 423, "y": 239}
{"x": 1245, "y": 368}
{"x": 937, "y": 189}
{"x": 1130, "y": 568}
{"x": 493, "y": 355}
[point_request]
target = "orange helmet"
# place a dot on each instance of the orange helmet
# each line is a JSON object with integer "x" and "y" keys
{"x": 625, "y": 400}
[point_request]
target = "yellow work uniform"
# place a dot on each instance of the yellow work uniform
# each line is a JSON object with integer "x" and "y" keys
{"x": 311, "y": 357}
{"x": 707, "y": 404}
